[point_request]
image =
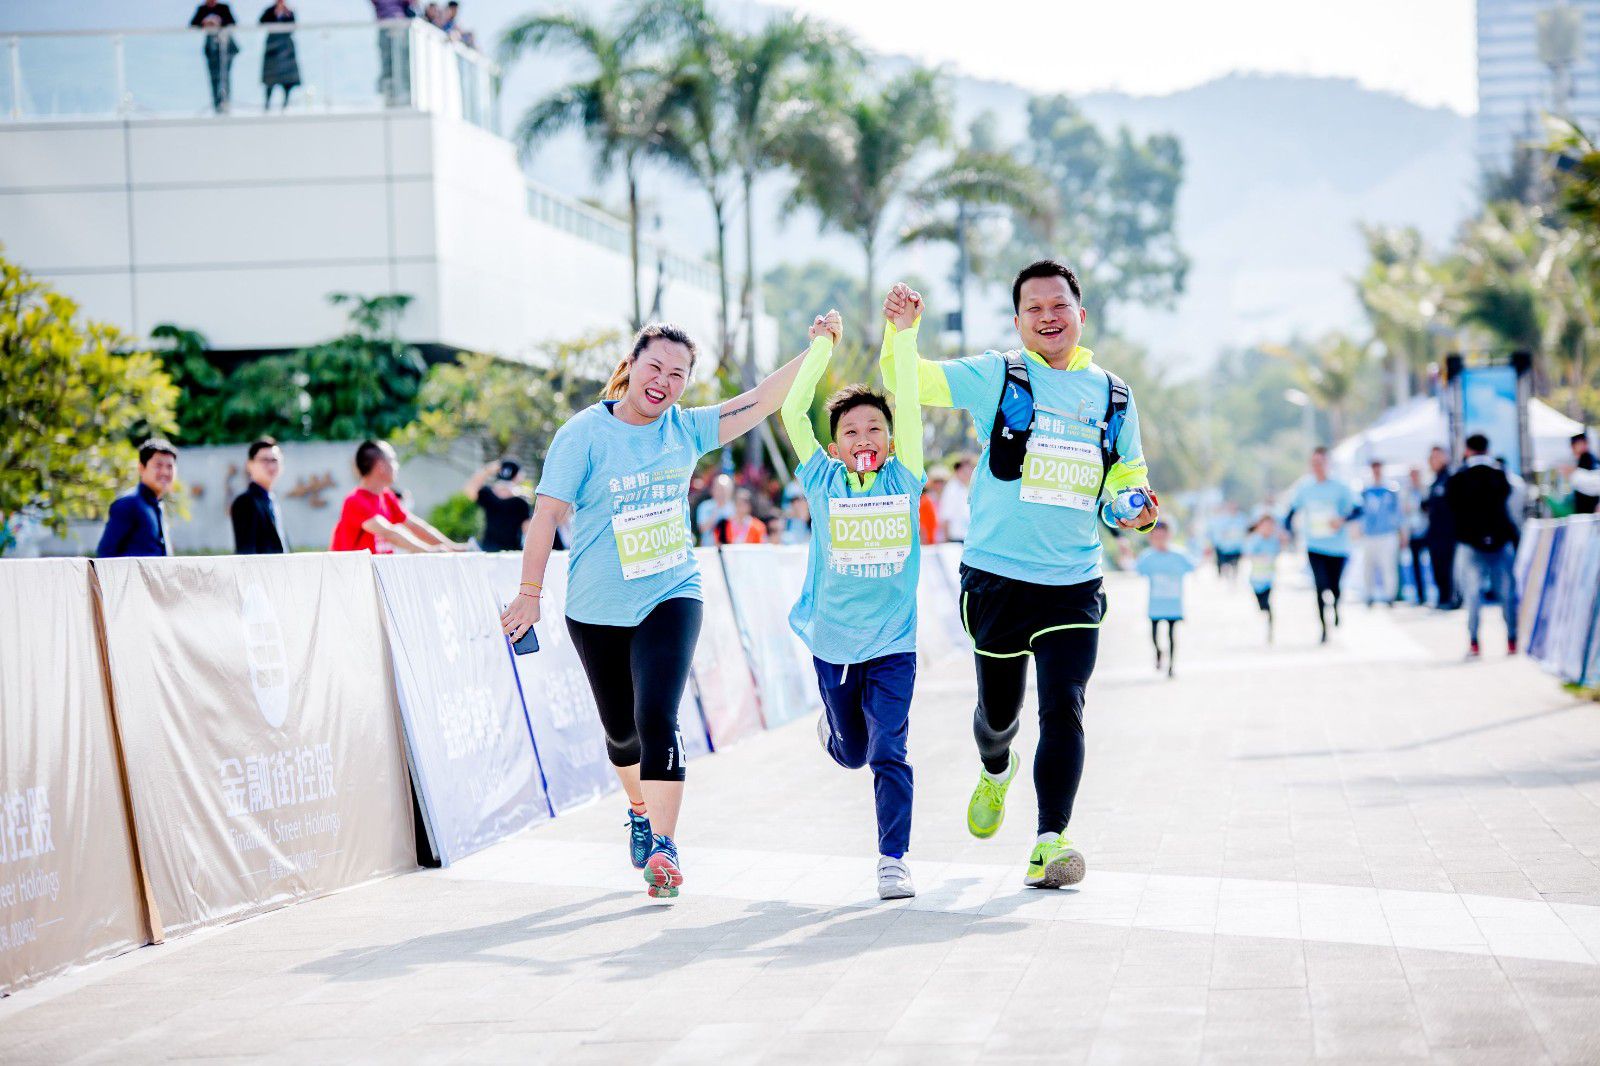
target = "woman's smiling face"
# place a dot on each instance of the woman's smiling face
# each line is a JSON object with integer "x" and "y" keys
{"x": 658, "y": 377}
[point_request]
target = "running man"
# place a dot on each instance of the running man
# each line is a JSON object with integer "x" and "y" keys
{"x": 621, "y": 470}
{"x": 858, "y": 609}
{"x": 1326, "y": 506}
{"x": 1030, "y": 569}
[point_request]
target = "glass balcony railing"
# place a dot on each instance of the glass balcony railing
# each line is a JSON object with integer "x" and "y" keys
{"x": 238, "y": 70}
{"x": 597, "y": 227}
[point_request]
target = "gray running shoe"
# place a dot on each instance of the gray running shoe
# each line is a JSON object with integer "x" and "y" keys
{"x": 894, "y": 879}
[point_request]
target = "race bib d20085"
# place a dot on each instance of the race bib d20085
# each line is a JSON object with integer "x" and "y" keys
{"x": 870, "y": 530}
{"x": 651, "y": 539}
{"x": 1061, "y": 473}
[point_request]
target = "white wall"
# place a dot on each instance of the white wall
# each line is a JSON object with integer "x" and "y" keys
{"x": 240, "y": 227}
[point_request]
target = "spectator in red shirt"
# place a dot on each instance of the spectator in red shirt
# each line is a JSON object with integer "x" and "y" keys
{"x": 928, "y": 508}
{"x": 373, "y": 519}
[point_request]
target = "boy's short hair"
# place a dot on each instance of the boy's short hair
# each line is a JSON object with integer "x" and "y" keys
{"x": 853, "y": 396}
{"x": 368, "y": 452}
{"x": 1044, "y": 268}
{"x": 156, "y": 446}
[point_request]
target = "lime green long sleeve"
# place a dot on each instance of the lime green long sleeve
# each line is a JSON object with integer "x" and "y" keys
{"x": 933, "y": 388}
{"x": 903, "y": 365}
{"x": 796, "y": 409}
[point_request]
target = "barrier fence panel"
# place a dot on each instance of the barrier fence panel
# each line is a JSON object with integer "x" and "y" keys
{"x": 722, "y": 677}
{"x": 69, "y": 890}
{"x": 765, "y": 581}
{"x": 1533, "y": 562}
{"x": 560, "y": 705}
{"x": 1573, "y": 598}
{"x": 465, "y": 729}
{"x": 255, "y": 704}
{"x": 939, "y": 630}
{"x": 1538, "y": 633}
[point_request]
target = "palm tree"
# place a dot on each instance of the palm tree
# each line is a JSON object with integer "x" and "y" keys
{"x": 618, "y": 105}
{"x": 1403, "y": 292}
{"x": 790, "y": 57}
{"x": 1334, "y": 374}
{"x": 979, "y": 174}
{"x": 852, "y": 158}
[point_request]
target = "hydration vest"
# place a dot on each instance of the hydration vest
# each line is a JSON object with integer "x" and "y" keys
{"x": 1013, "y": 421}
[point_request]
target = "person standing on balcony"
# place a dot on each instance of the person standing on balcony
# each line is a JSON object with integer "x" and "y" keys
{"x": 394, "y": 51}
{"x": 279, "y": 64}
{"x": 215, "y": 17}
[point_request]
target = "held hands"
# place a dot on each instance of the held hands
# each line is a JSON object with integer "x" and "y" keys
{"x": 903, "y": 306}
{"x": 1146, "y": 517}
{"x": 831, "y": 324}
{"x": 518, "y": 618}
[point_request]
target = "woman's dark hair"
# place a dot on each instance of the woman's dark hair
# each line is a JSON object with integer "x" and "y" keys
{"x": 1044, "y": 268}
{"x": 853, "y": 396}
{"x": 617, "y": 387}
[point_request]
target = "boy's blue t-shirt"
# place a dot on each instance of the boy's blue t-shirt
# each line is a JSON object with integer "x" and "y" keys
{"x": 1044, "y": 528}
{"x": 628, "y": 486}
{"x": 1226, "y": 531}
{"x": 1316, "y": 504}
{"x": 1380, "y": 510}
{"x": 860, "y": 597}
{"x": 1262, "y": 553}
{"x": 1166, "y": 570}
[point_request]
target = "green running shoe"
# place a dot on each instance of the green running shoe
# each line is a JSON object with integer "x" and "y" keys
{"x": 1055, "y": 863}
{"x": 987, "y": 808}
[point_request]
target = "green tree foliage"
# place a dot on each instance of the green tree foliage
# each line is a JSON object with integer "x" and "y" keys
{"x": 1116, "y": 199}
{"x": 75, "y": 396}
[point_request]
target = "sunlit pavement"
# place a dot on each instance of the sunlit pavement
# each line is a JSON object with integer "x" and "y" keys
{"x": 1370, "y": 852}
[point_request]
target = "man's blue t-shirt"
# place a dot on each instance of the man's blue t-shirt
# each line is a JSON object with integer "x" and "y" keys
{"x": 1317, "y": 507}
{"x": 1045, "y": 527}
{"x": 1166, "y": 570}
{"x": 629, "y": 486}
{"x": 860, "y": 596}
{"x": 1261, "y": 552}
{"x": 1380, "y": 510}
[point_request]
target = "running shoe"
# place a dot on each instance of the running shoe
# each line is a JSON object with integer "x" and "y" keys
{"x": 1511, "y": 646}
{"x": 894, "y": 879}
{"x": 1055, "y": 863}
{"x": 987, "y": 808}
{"x": 824, "y": 732}
{"x": 661, "y": 870}
{"x": 639, "y": 838}
{"x": 1473, "y": 651}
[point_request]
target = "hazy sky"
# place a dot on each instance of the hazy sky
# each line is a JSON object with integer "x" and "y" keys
{"x": 1422, "y": 49}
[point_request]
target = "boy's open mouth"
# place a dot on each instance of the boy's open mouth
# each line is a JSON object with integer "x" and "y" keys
{"x": 865, "y": 459}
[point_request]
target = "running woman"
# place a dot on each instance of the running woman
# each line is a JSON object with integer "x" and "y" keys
{"x": 1261, "y": 549}
{"x": 1326, "y": 506}
{"x": 858, "y": 609}
{"x": 1165, "y": 569}
{"x": 1030, "y": 570}
{"x": 620, "y": 469}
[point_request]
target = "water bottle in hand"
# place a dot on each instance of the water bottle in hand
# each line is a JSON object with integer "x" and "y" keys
{"x": 1128, "y": 504}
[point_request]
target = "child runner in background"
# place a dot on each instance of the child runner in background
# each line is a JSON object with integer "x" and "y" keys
{"x": 858, "y": 610}
{"x": 1165, "y": 567}
{"x": 1261, "y": 549}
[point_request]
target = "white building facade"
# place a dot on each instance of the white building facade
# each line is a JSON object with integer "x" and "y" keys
{"x": 1514, "y": 85}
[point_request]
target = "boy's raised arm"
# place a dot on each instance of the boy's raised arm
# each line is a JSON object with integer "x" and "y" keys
{"x": 796, "y": 409}
{"x": 903, "y": 365}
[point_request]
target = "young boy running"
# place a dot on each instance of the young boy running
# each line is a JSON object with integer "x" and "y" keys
{"x": 1261, "y": 549}
{"x": 858, "y": 610}
{"x": 1166, "y": 570}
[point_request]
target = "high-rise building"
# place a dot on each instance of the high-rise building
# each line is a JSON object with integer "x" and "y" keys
{"x": 1515, "y": 85}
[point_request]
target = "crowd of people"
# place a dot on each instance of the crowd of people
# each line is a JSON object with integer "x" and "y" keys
{"x": 280, "y": 63}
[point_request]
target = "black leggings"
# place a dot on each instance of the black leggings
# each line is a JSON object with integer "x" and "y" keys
{"x": 638, "y": 674}
{"x": 1326, "y": 572}
{"x": 1063, "y": 660}
{"x": 1172, "y": 637}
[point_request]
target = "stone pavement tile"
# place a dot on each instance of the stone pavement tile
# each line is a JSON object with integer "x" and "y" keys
{"x": 1342, "y": 964}
{"x": 1256, "y": 963}
{"x": 1478, "y": 1020}
{"x": 923, "y": 1054}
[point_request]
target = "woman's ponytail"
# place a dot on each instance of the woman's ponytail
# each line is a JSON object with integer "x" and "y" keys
{"x": 617, "y": 387}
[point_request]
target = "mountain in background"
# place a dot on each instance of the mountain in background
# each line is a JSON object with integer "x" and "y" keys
{"x": 1280, "y": 171}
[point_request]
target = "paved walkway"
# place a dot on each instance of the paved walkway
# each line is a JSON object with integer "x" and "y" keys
{"x": 1366, "y": 852}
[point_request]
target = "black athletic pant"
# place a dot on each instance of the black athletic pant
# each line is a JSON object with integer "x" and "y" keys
{"x": 1063, "y": 660}
{"x": 1442, "y": 562}
{"x": 1172, "y": 634}
{"x": 637, "y": 674}
{"x": 1326, "y": 572}
{"x": 1418, "y": 546}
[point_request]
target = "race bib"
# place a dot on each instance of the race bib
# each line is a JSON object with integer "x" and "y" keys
{"x": 1321, "y": 522}
{"x": 869, "y": 530}
{"x": 1061, "y": 473}
{"x": 651, "y": 539}
{"x": 1262, "y": 567}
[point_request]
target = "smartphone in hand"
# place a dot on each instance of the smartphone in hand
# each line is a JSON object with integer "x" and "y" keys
{"x": 527, "y": 643}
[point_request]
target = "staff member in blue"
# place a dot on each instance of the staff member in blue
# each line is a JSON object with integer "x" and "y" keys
{"x": 1060, "y": 438}
{"x": 1322, "y": 508}
{"x": 620, "y": 469}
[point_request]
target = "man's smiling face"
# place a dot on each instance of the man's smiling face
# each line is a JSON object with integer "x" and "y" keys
{"x": 1049, "y": 318}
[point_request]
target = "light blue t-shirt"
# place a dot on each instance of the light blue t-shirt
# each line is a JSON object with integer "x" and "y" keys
{"x": 1166, "y": 570}
{"x": 629, "y": 487}
{"x": 1315, "y": 506}
{"x": 1226, "y": 531}
{"x": 1047, "y": 543}
{"x": 860, "y": 602}
{"x": 1262, "y": 555}
{"x": 1380, "y": 510}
